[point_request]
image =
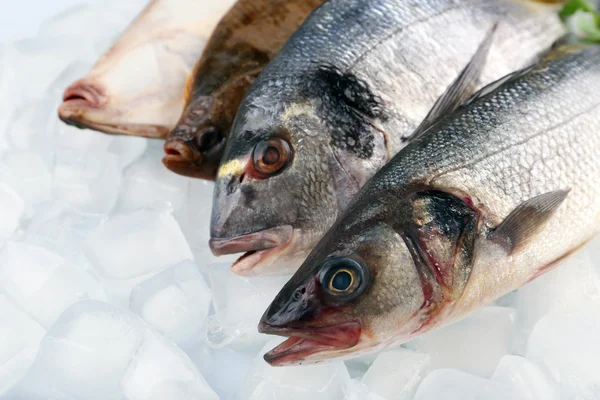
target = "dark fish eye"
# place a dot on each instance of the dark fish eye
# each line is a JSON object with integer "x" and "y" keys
{"x": 344, "y": 278}
{"x": 271, "y": 157}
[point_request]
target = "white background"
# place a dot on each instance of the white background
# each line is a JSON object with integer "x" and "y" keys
{"x": 21, "y": 18}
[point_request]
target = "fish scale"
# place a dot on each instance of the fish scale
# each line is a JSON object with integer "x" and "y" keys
{"x": 346, "y": 92}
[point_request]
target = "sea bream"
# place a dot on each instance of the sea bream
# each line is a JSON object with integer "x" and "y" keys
{"x": 486, "y": 200}
{"x": 137, "y": 86}
{"x": 339, "y": 100}
{"x": 245, "y": 40}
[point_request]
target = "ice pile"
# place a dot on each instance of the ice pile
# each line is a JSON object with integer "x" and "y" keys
{"x": 108, "y": 289}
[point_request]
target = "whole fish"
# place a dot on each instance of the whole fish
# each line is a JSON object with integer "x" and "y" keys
{"x": 245, "y": 40}
{"x": 137, "y": 86}
{"x": 488, "y": 199}
{"x": 339, "y": 100}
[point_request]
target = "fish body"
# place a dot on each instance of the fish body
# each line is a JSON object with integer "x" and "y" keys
{"x": 486, "y": 200}
{"x": 245, "y": 40}
{"x": 137, "y": 86}
{"x": 339, "y": 100}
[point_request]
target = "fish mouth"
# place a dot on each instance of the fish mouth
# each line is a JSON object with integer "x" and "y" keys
{"x": 302, "y": 343}
{"x": 183, "y": 160}
{"x": 258, "y": 246}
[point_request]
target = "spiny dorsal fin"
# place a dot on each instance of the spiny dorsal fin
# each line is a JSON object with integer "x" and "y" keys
{"x": 527, "y": 220}
{"x": 461, "y": 89}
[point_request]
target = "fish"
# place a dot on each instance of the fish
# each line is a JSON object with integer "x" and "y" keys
{"x": 245, "y": 40}
{"x": 343, "y": 96}
{"x": 487, "y": 199}
{"x": 137, "y": 87}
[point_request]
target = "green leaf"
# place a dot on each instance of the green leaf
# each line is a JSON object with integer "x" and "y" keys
{"x": 572, "y": 6}
{"x": 583, "y": 21}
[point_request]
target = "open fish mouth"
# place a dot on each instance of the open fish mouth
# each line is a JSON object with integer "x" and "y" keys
{"x": 302, "y": 343}
{"x": 258, "y": 246}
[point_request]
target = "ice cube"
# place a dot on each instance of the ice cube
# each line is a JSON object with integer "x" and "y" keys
{"x": 239, "y": 303}
{"x": 27, "y": 173}
{"x": 396, "y": 374}
{"x": 85, "y": 354}
{"x": 566, "y": 346}
{"x": 128, "y": 149}
{"x": 236, "y": 364}
{"x": 62, "y": 229}
{"x": 160, "y": 370}
{"x": 20, "y": 337}
{"x": 525, "y": 378}
{"x": 475, "y": 344}
{"x": 573, "y": 284}
{"x": 43, "y": 283}
{"x": 90, "y": 184}
{"x": 451, "y": 384}
{"x": 147, "y": 183}
{"x": 129, "y": 248}
{"x": 11, "y": 211}
{"x": 321, "y": 381}
{"x": 175, "y": 302}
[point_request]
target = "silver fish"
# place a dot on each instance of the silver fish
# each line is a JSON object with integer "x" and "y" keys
{"x": 339, "y": 100}
{"x": 486, "y": 200}
{"x": 137, "y": 86}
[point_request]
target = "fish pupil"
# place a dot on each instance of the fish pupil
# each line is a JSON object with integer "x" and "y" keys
{"x": 271, "y": 156}
{"x": 341, "y": 281}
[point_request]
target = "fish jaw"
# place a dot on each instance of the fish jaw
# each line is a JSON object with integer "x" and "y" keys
{"x": 262, "y": 249}
{"x": 303, "y": 343}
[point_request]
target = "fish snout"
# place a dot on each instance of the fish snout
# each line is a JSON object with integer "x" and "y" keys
{"x": 261, "y": 240}
{"x": 79, "y": 97}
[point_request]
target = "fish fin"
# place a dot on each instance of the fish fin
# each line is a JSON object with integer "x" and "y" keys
{"x": 527, "y": 220}
{"x": 461, "y": 89}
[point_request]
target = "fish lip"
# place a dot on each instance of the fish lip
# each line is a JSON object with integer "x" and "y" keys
{"x": 196, "y": 169}
{"x": 84, "y": 93}
{"x": 302, "y": 343}
{"x": 252, "y": 242}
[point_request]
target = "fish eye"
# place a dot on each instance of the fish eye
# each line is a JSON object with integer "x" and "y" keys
{"x": 344, "y": 278}
{"x": 271, "y": 156}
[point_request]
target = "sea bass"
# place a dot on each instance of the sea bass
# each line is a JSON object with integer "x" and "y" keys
{"x": 486, "y": 200}
{"x": 245, "y": 40}
{"x": 137, "y": 86}
{"x": 339, "y": 100}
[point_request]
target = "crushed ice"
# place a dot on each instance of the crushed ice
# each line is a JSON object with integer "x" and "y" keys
{"x": 108, "y": 289}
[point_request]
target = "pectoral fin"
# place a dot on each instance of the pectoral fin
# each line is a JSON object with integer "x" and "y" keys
{"x": 461, "y": 89}
{"x": 527, "y": 220}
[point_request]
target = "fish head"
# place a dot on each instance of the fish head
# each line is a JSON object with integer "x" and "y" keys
{"x": 389, "y": 269}
{"x": 349, "y": 297}
{"x": 297, "y": 154}
{"x": 136, "y": 88}
{"x": 277, "y": 176}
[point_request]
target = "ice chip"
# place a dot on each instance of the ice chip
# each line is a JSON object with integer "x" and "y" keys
{"x": 175, "y": 302}
{"x": 11, "y": 211}
{"x": 475, "y": 344}
{"x": 315, "y": 382}
{"x": 565, "y": 345}
{"x": 236, "y": 363}
{"x": 85, "y": 354}
{"x": 396, "y": 374}
{"x": 43, "y": 283}
{"x": 20, "y": 337}
{"x": 525, "y": 378}
{"x": 147, "y": 183}
{"x": 239, "y": 303}
{"x": 449, "y": 384}
{"x": 161, "y": 369}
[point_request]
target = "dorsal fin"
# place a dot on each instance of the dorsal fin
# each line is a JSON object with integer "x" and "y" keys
{"x": 461, "y": 89}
